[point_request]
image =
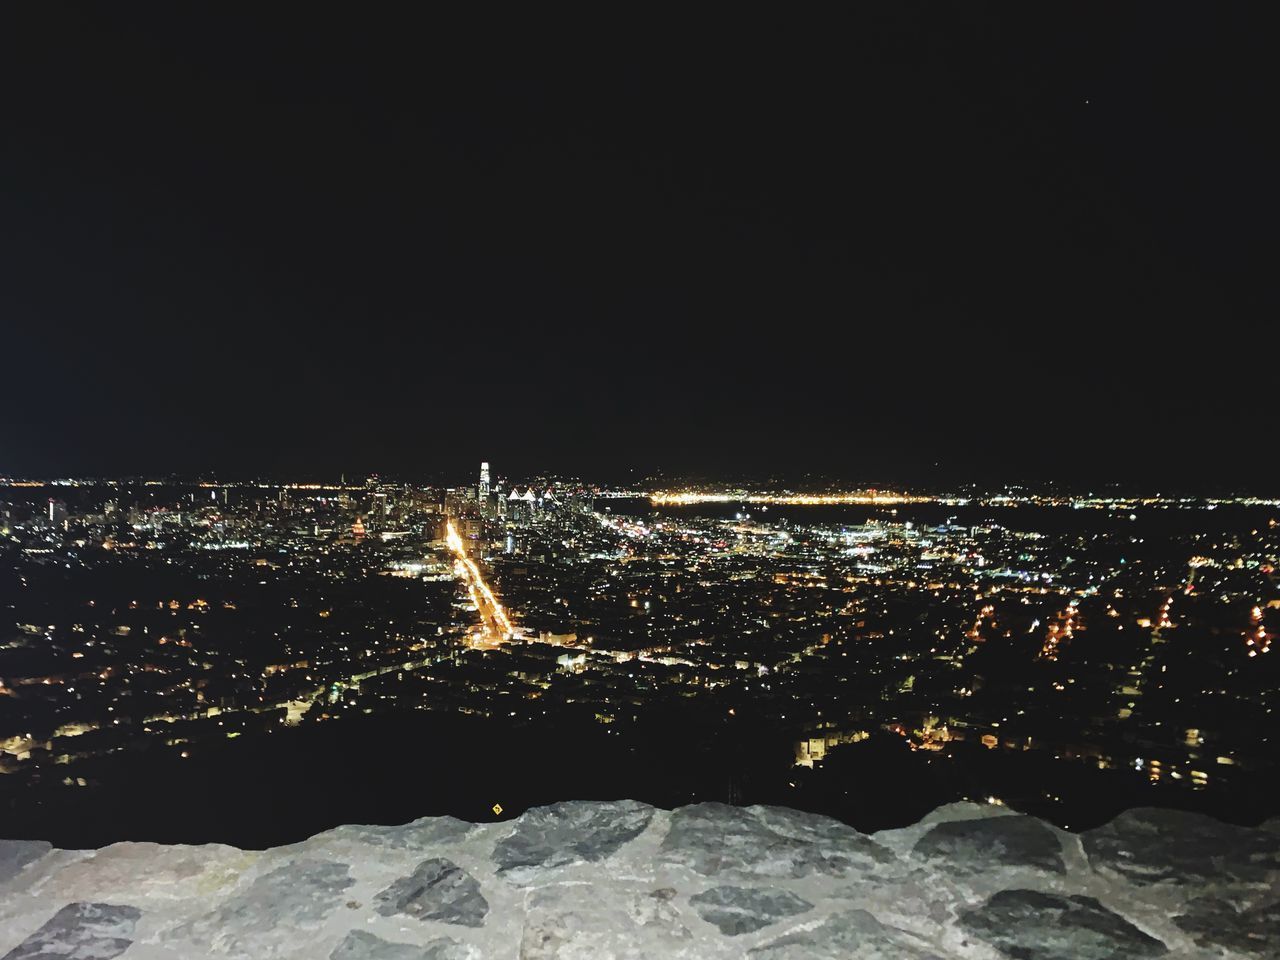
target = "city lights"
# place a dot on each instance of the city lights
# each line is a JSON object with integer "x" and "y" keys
{"x": 944, "y": 621}
{"x": 872, "y": 497}
{"x": 497, "y": 626}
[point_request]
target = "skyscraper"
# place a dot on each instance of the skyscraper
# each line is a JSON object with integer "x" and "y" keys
{"x": 484, "y": 480}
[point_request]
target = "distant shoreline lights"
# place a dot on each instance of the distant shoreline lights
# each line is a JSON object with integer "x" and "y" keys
{"x": 668, "y": 498}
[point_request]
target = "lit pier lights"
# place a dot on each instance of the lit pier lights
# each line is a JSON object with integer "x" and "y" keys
{"x": 495, "y": 626}
{"x": 794, "y": 499}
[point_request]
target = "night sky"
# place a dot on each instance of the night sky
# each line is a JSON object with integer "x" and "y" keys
{"x": 920, "y": 243}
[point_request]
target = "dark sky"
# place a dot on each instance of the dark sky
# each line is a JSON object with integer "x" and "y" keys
{"x": 1011, "y": 242}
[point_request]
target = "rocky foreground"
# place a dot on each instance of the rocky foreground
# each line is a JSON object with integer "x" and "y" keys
{"x": 606, "y": 880}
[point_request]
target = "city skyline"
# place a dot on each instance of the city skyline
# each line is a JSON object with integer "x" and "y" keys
{"x": 1068, "y": 655}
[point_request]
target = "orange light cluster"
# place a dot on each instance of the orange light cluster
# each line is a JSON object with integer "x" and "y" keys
{"x": 791, "y": 499}
{"x": 475, "y": 581}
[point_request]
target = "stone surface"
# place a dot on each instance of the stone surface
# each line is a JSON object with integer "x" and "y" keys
{"x": 977, "y": 845}
{"x": 141, "y": 871}
{"x": 1148, "y": 845}
{"x": 712, "y": 838}
{"x": 360, "y": 945}
{"x": 565, "y": 921}
{"x": 16, "y": 854}
{"x": 736, "y": 910}
{"x": 563, "y": 833}
{"x": 284, "y": 903}
{"x": 1047, "y": 926}
{"x": 1252, "y": 930}
{"x": 626, "y": 881}
{"x": 424, "y": 834}
{"x": 438, "y": 889}
{"x": 81, "y": 931}
{"x": 852, "y": 935}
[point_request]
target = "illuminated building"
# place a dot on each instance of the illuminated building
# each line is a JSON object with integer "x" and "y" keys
{"x": 57, "y": 512}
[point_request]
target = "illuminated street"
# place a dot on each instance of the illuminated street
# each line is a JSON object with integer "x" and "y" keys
{"x": 495, "y": 627}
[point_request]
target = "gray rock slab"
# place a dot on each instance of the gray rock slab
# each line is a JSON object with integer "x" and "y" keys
{"x": 571, "y": 832}
{"x": 438, "y": 889}
{"x": 277, "y": 906}
{"x": 738, "y": 910}
{"x": 851, "y": 935}
{"x": 580, "y": 921}
{"x": 978, "y": 845}
{"x": 16, "y": 854}
{"x": 1253, "y": 931}
{"x": 362, "y": 945}
{"x": 81, "y": 931}
{"x": 418, "y": 836}
{"x": 711, "y": 838}
{"x": 1149, "y": 845}
{"x": 143, "y": 872}
{"x": 1032, "y": 925}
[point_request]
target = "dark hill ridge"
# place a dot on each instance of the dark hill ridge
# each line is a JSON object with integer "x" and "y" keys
{"x": 620, "y": 879}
